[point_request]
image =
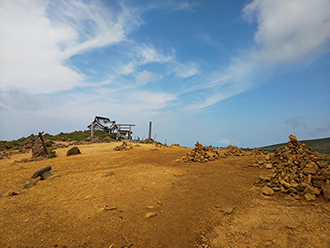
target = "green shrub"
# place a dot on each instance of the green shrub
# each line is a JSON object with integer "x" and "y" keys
{"x": 52, "y": 155}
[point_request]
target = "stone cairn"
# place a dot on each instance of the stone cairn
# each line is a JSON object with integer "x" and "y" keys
{"x": 200, "y": 154}
{"x": 231, "y": 151}
{"x": 297, "y": 170}
{"x": 258, "y": 151}
{"x": 123, "y": 147}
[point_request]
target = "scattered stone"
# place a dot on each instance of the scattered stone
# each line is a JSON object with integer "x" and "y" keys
{"x": 267, "y": 191}
{"x": 110, "y": 207}
{"x": 73, "y": 151}
{"x": 309, "y": 197}
{"x": 123, "y": 147}
{"x": 150, "y": 214}
{"x": 110, "y": 173}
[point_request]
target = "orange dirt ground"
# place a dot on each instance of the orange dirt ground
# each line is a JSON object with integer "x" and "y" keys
{"x": 196, "y": 205}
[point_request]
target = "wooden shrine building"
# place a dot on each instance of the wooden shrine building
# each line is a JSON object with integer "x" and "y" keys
{"x": 105, "y": 125}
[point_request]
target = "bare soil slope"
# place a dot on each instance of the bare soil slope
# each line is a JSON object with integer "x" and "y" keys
{"x": 192, "y": 204}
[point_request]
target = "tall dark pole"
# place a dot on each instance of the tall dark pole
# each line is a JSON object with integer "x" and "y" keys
{"x": 150, "y": 129}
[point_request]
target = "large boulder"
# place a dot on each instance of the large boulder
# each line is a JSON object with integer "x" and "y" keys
{"x": 73, "y": 151}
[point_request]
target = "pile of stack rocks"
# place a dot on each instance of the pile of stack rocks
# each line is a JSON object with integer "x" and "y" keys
{"x": 297, "y": 170}
{"x": 200, "y": 154}
{"x": 124, "y": 147}
{"x": 257, "y": 151}
{"x": 232, "y": 151}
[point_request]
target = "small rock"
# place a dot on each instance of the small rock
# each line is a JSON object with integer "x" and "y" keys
{"x": 276, "y": 189}
{"x": 309, "y": 197}
{"x": 267, "y": 191}
{"x": 14, "y": 192}
{"x": 312, "y": 190}
{"x": 310, "y": 170}
{"x": 292, "y": 190}
{"x": 110, "y": 207}
{"x": 228, "y": 210}
{"x": 73, "y": 151}
{"x": 110, "y": 173}
{"x": 3, "y": 192}
{"x": 326, "y": 192}
{"x": 268, "y": 166}
{"x": 150, "y": 207}
{"x": 150, "y": 214}
{"x": 53, "y": 177}
{"x": 285, "y": 184}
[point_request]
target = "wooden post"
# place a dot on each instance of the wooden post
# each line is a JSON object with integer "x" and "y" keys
{"x": 43, "y": 142}
{"x": 129, "y": 134}
{"x": 150, "y": 123}
{"x": 92, "y": 129}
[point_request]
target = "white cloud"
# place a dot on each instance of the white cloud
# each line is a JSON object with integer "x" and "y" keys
{"x": 144, "y": 77}
{"x": 288, "y": 31}
{"x": 36, "y": 44}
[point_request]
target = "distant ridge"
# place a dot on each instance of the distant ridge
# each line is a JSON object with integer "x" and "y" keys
{"x": 321, "y": 146}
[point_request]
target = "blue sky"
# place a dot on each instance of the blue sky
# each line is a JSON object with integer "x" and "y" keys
{"x": 245, "y": 73}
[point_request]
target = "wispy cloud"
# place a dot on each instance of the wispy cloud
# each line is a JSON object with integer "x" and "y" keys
{"x": 224, "y": 141}
{"x": 144, "y": 77}
{"x": 185, "y": 70}
{"x": 221, "y": 84}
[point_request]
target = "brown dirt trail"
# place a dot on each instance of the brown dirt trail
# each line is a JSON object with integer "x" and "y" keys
{"x": 188, "y": 199}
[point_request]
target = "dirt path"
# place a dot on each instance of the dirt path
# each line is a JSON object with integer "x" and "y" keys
{"x": 195, "y": 205}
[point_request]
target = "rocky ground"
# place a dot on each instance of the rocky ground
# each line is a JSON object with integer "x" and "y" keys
{"x": 164, "y": 196}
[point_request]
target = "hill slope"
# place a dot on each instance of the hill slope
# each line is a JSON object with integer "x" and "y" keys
{"x": 319, "y": 145}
